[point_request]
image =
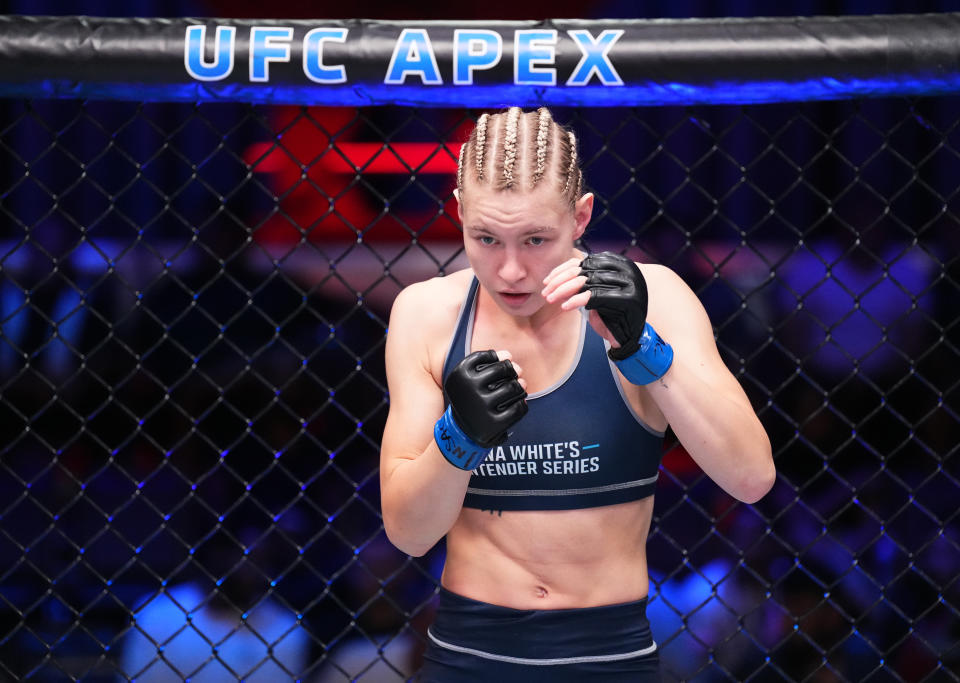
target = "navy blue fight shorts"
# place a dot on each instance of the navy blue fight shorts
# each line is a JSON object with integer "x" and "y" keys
{"x": 475, "y": 642}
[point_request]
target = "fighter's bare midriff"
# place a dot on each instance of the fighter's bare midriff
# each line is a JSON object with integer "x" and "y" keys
{"x": 550, "y": 559}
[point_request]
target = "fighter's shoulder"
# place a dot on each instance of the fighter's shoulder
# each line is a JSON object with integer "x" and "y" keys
{"x": 674, "y": 309}
{"x": 663, "y": 278}
{"x": 432, "y": 304}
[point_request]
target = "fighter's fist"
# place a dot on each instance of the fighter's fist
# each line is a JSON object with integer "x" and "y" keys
{"x": 486, "y": 398}
{"x": 618, "y": 293}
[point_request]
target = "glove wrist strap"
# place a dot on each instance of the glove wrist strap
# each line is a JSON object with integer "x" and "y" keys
{"x": 458, "y": 448}
{"x": 649, "y": 362}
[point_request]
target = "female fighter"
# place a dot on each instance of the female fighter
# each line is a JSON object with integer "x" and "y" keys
{"x": 529, "y": 395}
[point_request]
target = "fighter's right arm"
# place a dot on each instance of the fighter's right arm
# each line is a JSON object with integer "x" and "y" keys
{"x": 421, "y": 493}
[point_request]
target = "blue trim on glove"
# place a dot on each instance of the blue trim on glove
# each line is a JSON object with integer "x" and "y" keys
{"x": 458, "y": 448}
{"x": 650, "y": 362}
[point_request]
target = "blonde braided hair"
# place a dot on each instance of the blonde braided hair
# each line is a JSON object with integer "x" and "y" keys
{"x": 547, "y": 146}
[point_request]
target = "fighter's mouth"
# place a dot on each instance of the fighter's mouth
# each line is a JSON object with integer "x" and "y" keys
{"x": 514, "y": 298}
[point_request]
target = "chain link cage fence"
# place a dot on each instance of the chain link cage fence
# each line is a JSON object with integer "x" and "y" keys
{"x": 193, "y": 305}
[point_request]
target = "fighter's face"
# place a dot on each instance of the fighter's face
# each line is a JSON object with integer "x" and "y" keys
{"x": 514, "y": 239}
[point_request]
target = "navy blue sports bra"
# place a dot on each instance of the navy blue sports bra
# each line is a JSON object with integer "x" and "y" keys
{"x": 580, "y": 445}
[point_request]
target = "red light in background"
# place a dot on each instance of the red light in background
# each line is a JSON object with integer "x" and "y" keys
{"x": 365, "y": 157}
{"x": 313, "y": 173}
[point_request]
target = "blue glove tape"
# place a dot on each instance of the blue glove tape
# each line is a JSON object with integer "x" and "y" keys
{"x": 650, "y": 362}
{"x": 458, "y": 448}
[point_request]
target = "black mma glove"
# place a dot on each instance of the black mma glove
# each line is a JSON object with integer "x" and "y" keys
{"x": 485, "y": 399}
{"x": 618, "y": 293}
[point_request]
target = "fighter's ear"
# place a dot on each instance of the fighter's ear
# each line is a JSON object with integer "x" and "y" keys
{"x": 456, "y": 194}
{"x": 582, "y": 211}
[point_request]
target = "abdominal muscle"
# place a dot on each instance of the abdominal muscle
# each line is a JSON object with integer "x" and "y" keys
{"x": 552, "y": 559}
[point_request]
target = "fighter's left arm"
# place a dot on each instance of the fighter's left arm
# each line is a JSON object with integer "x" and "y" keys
{"x": 704, "y": 403}
{"x": 661, "y": 338}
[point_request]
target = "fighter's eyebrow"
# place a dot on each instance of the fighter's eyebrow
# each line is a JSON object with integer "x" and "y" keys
{"x": 530, "y": 231}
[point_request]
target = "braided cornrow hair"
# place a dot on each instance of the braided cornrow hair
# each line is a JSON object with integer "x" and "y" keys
{"x": 463, "y": 151}
{"x": 509, "y": 159}
{"x": 480, "y": 143}
{"x": 541, "y": 148}
{"x": 568, "y": 179}
{"x": 514, "y": 150}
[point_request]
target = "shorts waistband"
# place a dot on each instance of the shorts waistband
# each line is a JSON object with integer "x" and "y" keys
{"x": 542, "y": 637}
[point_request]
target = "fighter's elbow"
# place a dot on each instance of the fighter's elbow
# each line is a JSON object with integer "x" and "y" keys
{"x": 757, "y": 482}
{"x": 410, "y": 547}
{"x": 411, "y": 544}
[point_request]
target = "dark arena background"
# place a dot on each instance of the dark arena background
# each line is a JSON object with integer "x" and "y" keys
{"x": 199, "y": 247}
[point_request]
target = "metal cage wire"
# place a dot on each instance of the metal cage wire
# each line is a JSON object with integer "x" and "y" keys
{"x": 193, "y": 305}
